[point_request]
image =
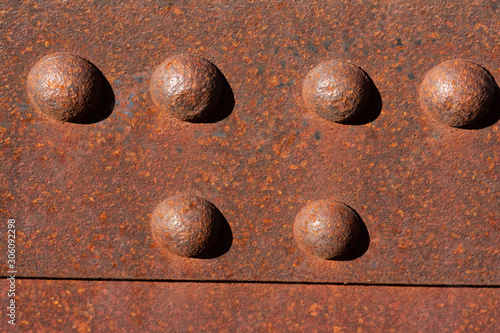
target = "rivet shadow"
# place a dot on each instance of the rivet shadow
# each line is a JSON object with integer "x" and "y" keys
{"x": 223, "y": 243}
{"x": 372, "y": 110}
{"x": 361, "y": 245}
{"x": 492, "y": 116}
{"x": 225, "y": 107}
{"x": 105, "y": 107}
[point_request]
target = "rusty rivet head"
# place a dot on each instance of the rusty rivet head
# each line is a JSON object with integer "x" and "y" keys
{"x": 64, "y": 86}
{"x": 336, "y": 91}
{"x": 187, "y": 87}
{"x": 186, "y": 225}
{"x": 457, "y": 93}
{"x": 327, "y": 229}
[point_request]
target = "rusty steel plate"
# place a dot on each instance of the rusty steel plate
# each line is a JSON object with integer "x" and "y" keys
{"x": 83, "y": 192}
{"x": 110, "y": 306}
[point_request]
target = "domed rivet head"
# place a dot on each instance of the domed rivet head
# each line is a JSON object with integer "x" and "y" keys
{"x": 187, "y": 87}
{"x": 186, "y": 225}
{"x": 327, "y": 229}
{"x": 336, "y": 91}
{"x": 457, "y": 93}
{"x": 64, "y": 86}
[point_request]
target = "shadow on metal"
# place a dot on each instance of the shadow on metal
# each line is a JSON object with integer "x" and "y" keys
{"x": 105, "y": 108}
{"x": 223, "y": 244}
{"x": 225, "y": 107}
{"x": 361, "y": 245}
{"x": 491, "y": 117}
{"x": 372, "y": 110}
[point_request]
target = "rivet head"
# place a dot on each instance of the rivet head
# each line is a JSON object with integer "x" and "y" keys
{"x": 327, "y": 229}
{"x": 64, "y": 86}
{"x": 336, "y": 91}
{"x": 187, "y": 87}
{"x": 186, "y": 225}
{"x": 457, "y": 93}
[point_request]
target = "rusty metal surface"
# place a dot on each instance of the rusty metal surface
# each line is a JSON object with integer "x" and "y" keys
{"x": 83, "y": 194}
{"x": 91, "y": 306}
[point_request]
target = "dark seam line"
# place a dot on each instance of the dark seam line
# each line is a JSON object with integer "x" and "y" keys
{"x": 364, "y": 284}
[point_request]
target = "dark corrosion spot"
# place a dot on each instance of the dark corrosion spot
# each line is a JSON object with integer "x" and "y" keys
{"x": 327, "y": 229}
{"x": 186, "y": 225}
{"x": 187, "y": 87}
{"x": 457, "y": 93}
{"x": 337, "y": 91}
{"x": 64, "y": 86}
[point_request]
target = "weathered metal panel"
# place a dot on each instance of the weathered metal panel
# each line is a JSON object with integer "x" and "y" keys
{"x": 114, "y": 306}
{"x": 83, "y": 194}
